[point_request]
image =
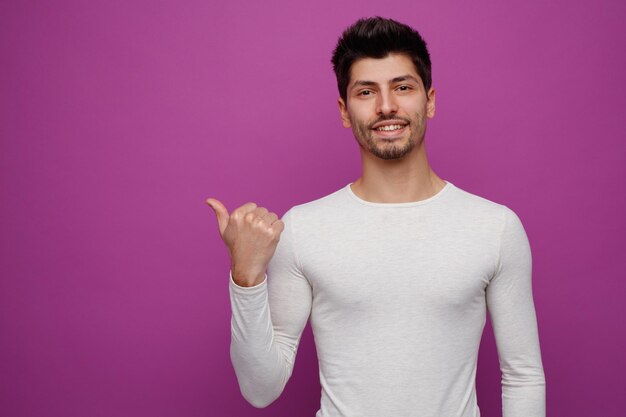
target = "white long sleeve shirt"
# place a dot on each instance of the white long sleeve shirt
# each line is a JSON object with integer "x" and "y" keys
{"x": 397, "y": 296}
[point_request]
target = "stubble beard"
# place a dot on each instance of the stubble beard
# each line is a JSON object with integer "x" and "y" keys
{"x": 385, "y": 149}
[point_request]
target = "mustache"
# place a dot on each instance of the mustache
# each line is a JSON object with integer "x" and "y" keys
{"x": 389, "y": 117}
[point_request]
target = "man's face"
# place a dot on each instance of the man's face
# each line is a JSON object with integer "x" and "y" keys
{"x": 387, "y": 106}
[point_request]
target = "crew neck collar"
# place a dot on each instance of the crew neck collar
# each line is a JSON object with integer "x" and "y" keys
{"x": 441, "y": 192}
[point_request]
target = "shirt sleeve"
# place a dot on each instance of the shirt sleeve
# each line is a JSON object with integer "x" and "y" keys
{"x": 512, "y": 312}
{"x": 267, "y": 322}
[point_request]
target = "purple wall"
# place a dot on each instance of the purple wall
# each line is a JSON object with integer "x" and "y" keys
{"x": 118, "y": 119}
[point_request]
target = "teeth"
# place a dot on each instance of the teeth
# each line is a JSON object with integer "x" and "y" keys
{"x": 391, "y": 127}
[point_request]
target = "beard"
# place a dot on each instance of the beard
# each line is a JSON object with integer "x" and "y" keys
{"x": 385, "y": 148}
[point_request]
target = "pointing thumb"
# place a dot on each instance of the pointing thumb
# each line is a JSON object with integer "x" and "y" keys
{"x": 220, "y": 212}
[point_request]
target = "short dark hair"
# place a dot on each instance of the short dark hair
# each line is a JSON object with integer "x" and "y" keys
{"x": 377, "y": 37}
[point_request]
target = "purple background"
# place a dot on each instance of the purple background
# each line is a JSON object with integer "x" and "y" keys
{"x": 118, "y": 119}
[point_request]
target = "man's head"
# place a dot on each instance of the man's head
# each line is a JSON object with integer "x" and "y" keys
{"x": 383, "y": 75}
{"x": 377, "y": 37}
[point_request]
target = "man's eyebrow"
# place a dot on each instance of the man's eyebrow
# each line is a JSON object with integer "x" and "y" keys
{"x": 404, "y": 78}
{"x": 366, "y": 83}
{"x": 363, "y": 83}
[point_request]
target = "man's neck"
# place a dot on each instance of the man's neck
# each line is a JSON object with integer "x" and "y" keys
{"x": 397, "y": 181}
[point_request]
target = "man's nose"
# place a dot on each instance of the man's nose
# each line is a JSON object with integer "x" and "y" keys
{"x": 386, "y": 103}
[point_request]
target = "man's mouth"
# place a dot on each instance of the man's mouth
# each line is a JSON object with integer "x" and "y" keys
{"x": 389, "y": 128}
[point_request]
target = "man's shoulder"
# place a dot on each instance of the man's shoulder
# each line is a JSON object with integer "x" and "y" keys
{"x": 480, "y": 207}
{"x": 471, "y": 201}
{"x": 324, "y": 206}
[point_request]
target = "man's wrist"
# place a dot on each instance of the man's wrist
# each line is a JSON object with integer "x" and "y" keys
{"x": 247, "y": 278}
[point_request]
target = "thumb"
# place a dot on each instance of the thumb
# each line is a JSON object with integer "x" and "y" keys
{"x": 220, "y": 212}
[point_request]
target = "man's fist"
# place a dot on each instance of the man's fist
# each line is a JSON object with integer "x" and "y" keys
{"x": 251, "y": 234}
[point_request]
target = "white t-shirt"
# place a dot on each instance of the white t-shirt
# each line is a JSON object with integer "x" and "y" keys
{"x": 397, "y": 295}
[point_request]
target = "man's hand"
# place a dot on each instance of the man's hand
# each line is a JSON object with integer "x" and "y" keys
{"x": 251, "y": 234}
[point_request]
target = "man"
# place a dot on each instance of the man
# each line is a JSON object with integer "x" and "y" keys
{"x": 396, "y": 271}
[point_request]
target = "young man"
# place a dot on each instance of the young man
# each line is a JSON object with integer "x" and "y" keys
{"x": 396, "y": 271}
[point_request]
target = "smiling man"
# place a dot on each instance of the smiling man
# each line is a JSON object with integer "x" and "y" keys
{"x": 396, "y": 271}
{"x": 388, "y": 106}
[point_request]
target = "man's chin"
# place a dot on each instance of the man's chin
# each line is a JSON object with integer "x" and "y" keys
{"x": 390, "y": 152}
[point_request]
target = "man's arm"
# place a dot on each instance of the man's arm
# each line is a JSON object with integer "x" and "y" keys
{"x": 267, "y": 323}
{"x": 512, "y": 312}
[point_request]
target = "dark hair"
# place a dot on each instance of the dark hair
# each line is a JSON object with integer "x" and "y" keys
{"x": 377, "y": 37}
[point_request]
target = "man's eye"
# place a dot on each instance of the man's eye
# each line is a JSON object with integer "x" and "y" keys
{"x": 404, "y": 88}
{"x": 365, "y": 93}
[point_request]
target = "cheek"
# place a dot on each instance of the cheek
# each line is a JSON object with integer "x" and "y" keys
{"x": 419, "y": 114}
{"x": 358, "y": 117}
{"x": 415, "y": 108}
{"x": 361, "y": 109}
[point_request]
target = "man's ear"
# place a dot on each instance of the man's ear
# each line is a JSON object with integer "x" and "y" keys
{"x": 430, "y": 104}
{"x": 343, "y": 111}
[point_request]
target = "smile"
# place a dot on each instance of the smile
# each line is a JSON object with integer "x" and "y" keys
{"x": 390, "y": 131}
{"x": 389, "y": 128}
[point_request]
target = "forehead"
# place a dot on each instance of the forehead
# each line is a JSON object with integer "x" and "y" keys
{"x": 381, "y": 70}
